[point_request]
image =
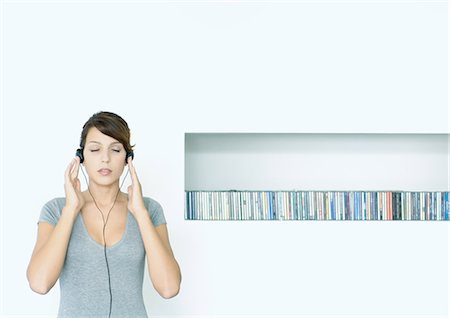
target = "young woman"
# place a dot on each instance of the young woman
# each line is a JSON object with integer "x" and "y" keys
{"x": 96, "y": 241}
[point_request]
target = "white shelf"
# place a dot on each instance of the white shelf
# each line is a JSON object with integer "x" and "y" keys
{"x": 317, "y": 161}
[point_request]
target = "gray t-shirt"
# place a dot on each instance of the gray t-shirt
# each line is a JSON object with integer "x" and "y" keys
{"x": 84, "y": 278}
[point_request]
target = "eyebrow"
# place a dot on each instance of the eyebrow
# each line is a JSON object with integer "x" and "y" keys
{"x": 98, "y": 142}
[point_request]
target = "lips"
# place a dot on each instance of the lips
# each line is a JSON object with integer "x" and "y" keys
{"x": 104, "y": 171}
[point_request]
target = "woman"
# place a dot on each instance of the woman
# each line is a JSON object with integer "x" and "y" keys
{"x": 96, "y": 241}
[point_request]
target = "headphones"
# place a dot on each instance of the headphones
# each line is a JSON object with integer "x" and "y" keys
{"x": 79, "y": 153}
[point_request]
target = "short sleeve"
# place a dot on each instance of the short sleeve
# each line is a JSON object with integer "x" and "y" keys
{"x": 156, "y": 212}
{"x": 51, "y": 211}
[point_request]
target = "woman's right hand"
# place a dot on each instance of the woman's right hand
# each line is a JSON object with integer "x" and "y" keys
{"x": 72, "y": 187}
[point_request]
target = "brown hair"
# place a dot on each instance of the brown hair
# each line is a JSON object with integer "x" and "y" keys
{"x": 111, "y": 125}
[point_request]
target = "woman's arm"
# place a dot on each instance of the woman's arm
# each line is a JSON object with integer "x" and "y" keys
{"x": 50, "y": 250}
{"x": 49, "y": 253}
{"x": 162, "y": 266}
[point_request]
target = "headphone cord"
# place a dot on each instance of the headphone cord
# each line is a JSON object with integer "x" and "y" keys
{"x": 104, "y": 228}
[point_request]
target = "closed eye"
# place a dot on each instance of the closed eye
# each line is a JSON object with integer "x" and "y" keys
{"x": 94, "y": 150}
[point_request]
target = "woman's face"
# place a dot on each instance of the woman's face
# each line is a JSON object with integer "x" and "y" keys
{"x": 104, "y": 157}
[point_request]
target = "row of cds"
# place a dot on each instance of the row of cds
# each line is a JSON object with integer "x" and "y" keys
{"x": 317, "y": 205}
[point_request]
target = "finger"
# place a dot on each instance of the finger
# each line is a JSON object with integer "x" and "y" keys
{"x": 68, "y": 169}
{"x": 79, "y": 185}
{"x": 130, "y": 191}
{"x": 76, "y": 166}
{"x": 134, "y": 177}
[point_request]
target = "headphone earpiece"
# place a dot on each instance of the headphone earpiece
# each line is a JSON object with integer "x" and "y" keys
{"x": 129, "y": 154}
{"x": 79, "y": 153}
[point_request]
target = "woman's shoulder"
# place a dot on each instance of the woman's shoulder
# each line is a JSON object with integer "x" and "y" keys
{"x": 51, "y": 210}
{"x": 155, "y": 210}
{"x": 150, "y": 202}
{"x": 57, "y": 201}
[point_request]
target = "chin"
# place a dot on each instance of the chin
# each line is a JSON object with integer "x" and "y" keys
{"x": 105, "y": 181}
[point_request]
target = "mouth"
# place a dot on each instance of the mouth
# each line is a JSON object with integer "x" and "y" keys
{"x": 104, "y": 171}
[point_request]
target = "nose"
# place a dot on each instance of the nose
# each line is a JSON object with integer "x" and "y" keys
{"x": 105, "y": 156}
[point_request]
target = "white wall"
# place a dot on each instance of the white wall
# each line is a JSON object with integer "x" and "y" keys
{"x": 172, "y": 67}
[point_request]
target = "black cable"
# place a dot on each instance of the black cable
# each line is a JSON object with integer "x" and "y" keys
{"x": 104, "y": 228}
{"x": 107, "y": 265}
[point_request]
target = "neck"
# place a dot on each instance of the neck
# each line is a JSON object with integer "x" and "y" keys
{"x": 104, "y": 195}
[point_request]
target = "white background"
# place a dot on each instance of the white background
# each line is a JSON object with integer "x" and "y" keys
{"x": 201, "y": 66}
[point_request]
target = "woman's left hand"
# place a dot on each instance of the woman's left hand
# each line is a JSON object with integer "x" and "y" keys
{"x": 135, "y": 198}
